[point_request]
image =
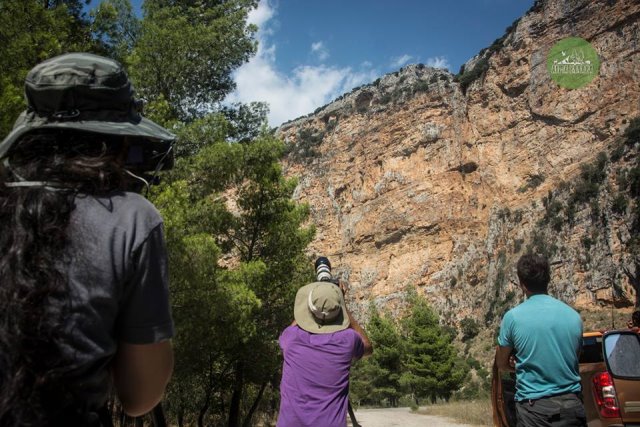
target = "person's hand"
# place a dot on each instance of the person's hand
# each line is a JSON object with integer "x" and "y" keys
{"x": 512, "y": 361}
{"x": 343, "y": 288}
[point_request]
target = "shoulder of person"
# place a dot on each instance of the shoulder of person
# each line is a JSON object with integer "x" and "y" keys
{"x": 135, "y": 201}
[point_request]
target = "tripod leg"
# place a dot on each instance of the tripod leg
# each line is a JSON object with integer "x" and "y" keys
{"x": 352, "y": 416}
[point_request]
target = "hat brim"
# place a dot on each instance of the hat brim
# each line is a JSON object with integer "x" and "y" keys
{"x": 306, "y": 320}
{"x": 145, "y": 128}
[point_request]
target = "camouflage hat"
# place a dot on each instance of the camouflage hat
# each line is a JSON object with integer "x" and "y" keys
{"x": 85, "y": 92}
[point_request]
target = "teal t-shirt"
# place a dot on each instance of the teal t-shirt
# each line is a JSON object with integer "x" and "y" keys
{"x": 546, "y": 335}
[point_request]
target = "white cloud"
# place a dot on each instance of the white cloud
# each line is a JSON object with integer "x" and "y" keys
{"x": 401, "y": 60}
{"x": 306, "y": 88}
{"x": 261, "y": 15}
{"x": 438, "y": 62}
{"x": 320, "y": 50}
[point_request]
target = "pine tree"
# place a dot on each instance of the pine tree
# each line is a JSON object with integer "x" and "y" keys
{"x": 376, "y": 379}
{"x": 230, "y": 201}
{"x": 430, "y": 368}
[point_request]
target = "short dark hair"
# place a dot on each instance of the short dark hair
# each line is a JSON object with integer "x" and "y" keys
{"x": 635, "y": 318}
{"x": 533, "y": 272}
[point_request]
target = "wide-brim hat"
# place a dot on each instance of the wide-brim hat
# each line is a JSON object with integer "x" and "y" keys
{"x": 84, "y": 92}
{"x": 320, "y": 308}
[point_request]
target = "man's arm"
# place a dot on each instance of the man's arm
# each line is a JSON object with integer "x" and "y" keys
{"x": 503, "y": 354}
{"x": 353, "y": 323}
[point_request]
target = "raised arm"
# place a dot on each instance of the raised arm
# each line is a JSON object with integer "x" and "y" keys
{"x": 353, "y": 323}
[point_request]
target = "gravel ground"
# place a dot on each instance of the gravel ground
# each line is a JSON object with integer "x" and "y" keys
{"x": 400, "y": 417}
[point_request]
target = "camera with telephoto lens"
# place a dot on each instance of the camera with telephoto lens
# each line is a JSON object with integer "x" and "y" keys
{"x": 323, "y": 271}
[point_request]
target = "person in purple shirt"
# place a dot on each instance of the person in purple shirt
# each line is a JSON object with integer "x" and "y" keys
{"x": 318, "y": 349}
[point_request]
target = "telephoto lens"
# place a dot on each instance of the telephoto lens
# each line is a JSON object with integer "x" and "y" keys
{"x": 323, "y": 269}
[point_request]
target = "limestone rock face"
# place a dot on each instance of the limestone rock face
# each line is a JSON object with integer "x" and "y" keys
{"x": 437, "y": 182}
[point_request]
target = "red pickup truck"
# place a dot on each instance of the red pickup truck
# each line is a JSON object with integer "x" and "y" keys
{"x": 610, "y": 376}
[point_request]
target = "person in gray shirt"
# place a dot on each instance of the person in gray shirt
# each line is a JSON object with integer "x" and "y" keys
{"x": 83, "y": 265}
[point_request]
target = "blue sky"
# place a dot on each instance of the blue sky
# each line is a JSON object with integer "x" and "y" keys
{"x": 312, "y": 51}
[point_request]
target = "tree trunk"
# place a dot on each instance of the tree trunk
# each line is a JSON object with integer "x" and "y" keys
{"x": 256, "y": 402}
{"x": 236, "y": 397}
{"x": 203, "y": 412}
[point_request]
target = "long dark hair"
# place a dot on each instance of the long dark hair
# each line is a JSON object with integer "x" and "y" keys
{"x": 33, "y": 280}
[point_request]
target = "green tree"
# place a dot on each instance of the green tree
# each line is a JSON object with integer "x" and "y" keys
{"x": 430, "y": 367}
{"x": 187, "y": 50}
{"x": 116, "y": 27}
{"x": 376, "y": 379}
{"x": 30, "y": 32}
{"x": 236, "y": 242}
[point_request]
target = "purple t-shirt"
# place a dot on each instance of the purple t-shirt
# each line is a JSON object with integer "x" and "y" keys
{"x": 314, "y": 390}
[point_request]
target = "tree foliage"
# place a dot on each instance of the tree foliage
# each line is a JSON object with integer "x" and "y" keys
{"x": 234, "y": 235}
{"x": 236, "y": 242}
{"x": 30, "y": 32}
{"x": 431, "y": 369}
{"x": 376, "y": 379}
{"x": 187, "y": 50}
{"x": 413, "y": 357}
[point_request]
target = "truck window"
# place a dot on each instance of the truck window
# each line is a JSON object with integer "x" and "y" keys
{"x": 591, "y": 350}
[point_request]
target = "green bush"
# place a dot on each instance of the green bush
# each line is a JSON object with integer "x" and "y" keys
{"x": 632, "y": 132}
{"x": 591, "y": 177}
{"x": 386, "y": 98}
{"x": 307, "y": 140}
{"x": 619, "y": 204}
{"x": 634, "y": 180}
{"x": 466, "y": 78}
{"x": 470, "y": 328}
{"x": 617, "y": 152}
{"x": 533, "y": 181}
{"x": 517, "y": 245}
{"x": 420, "y": 86}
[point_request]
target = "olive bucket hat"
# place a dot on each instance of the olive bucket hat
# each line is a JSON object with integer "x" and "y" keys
{"x": 320, "y": 308}
{"x": 84, "y": 92}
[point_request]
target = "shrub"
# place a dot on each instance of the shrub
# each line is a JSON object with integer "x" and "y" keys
{"x": 619, "y": 204}
{"x": 632, "y": 132}
{"x": 470, "y": 328}
{"x": 634, "y": 181}
{"x": 517, "y": 245}
{"x": 617, "y": 152}
{"x": 532, "y": 182}
{"x": 420, "y": 86}
{"x": 308, "y": 139}
{"x": 386, "y": 98}
{"x": 466, "y": 78}
{"x": 591, "y": 177}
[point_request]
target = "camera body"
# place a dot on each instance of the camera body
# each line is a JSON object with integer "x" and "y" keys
{"x": 146, "y": 155}
{"x": 323, "y": 271}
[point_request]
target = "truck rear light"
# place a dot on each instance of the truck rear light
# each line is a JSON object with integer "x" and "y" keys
{"x": 605, "y": 395}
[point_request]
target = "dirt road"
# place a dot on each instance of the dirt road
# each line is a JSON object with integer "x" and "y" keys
{"x": 400, "y": 417}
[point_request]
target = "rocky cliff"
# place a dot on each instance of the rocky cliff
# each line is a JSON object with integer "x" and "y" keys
{"x": 441, "y": 182}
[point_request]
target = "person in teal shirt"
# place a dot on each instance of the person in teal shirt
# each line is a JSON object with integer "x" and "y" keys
{"x": 540, "y": 340}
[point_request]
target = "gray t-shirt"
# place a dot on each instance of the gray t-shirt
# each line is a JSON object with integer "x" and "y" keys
{"x": 118, "y": 285}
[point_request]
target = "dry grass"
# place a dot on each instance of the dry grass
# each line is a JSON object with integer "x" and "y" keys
{"x": 474, "y": 412}
{"x": 595, "y": 320}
